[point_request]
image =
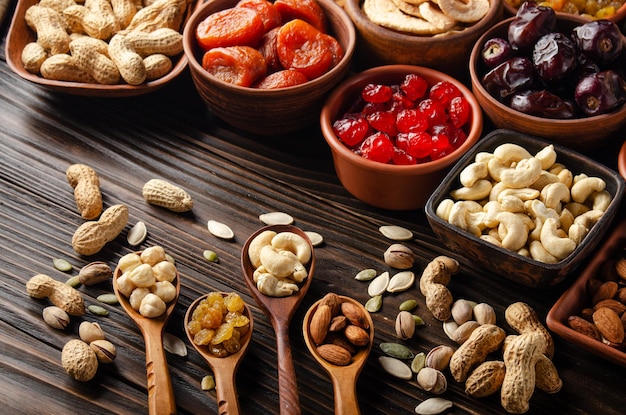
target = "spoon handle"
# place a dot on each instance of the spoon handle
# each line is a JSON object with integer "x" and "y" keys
{"x": 160, "y": 392}
{"x": 226, "y": 390}
{"x": 287, "y": 385}
{"x": 345, "y": 395}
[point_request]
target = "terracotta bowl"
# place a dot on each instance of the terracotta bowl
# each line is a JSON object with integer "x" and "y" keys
{"x": 265, "y": 111}
{"x": 621, "y": 160}
{"x": 508, "y": 264}
{"x": 448, "y": 52}
{"x": 388, "y": 186}
{"x": 20, "y": 34}
{"x": 511, "y": 10}
{"x": 578, "y": 296}
{"x": 579, "y": 134}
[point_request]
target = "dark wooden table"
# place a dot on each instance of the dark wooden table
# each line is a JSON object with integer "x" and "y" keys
{"x": 233, "y": 177}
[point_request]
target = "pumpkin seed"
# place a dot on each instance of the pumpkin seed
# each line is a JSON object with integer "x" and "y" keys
{"x": 137, "y": 234}
{"x": 378, "y": 285}
{"x": 395, "y": 367}
{"x": 73, "y": 281}
{"x": 366, "y": 275}
{"x": 396, "y": 233}
{"x": 418, "y": 363}
{"x": 401, "y": 281}
{"x": 374, "y": 304}
{"x": 109, "y": 298}
{"x": 208, "y": 383}
{"x": 174, "y": 345}
{"x": 220, "y": 230}
{"x": 433, "y": 406}
{"x": 408, "y": 305}
{"x": 315, "y": 238}
{"x": 397, "y": 350}
{"x": 418, "y": 320}
{"x": 62, "y": 265}
{"x": 210, "y": 256}
{"x": 276, "y": 218}
{"x": 97, "y": 310}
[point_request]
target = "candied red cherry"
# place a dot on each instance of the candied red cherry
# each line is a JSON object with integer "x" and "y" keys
{"x": 459, "y": 111}
{"x": 495, "y": 51}
{"x": 600, "y": 92}
{"x": 411, "y": 121}
{"x": 554, "y": 57}
{"x": 376, "y": 93}
{"x": 399, "y": 102}
{"x": 401, "y": 158}
{"x": 530, "y": 23}
{"x": 444, "y": 91}
{"x": 601, "y": 40}
{"x": 440, "y": 146}
{"x": 434, "y": 111}
{"x": 384, "y": 121}
{"x": 414, "y": 86}
{"x": 419, "y": 145}
{"x": 372, "y": 107}
{"x": 351, "y": 129}
{"x": 377, "y": 147}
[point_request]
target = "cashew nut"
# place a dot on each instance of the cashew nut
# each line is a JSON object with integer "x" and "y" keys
{"x": 496, "y": 189}
{"x": 547, "y": 156}
{"x": 589, "y": 218}
{"x": 577, "y": 233}
{"x": 277, "y": 264}
{"x": 576, "y": 208}
{"x": 583, "y": 188}
{"x": 554, "y": 194}
{"x": 491, "y": 239}
{"x": 269, "y": 285}
{"x": 567, "y": 219}
{"x": 600, "y": 200}
{"x": 472, "y": 173}
{"x": 566, "y": 177}
{"x": 467, "y": 215}
{"x": 510, "y": 152}
{"x": 544, "y": 179}
{"x": 295, "y": 243}
{"x": 254, "y": 250}
{"x": 512, "y": 204}
{"x": 495, "y": 166}
{"x": 539, "y": 253}
{"x": 512, "y": 230}
{"x": 525, "y": 193}
{"x": 557, "y": 246}
{"x": 479, "y": 190}
{"x": 539, "y": 210}
{"x": 491, "y": 209}
{"x": 483, "y": 157}
{"x": 443, "y": 210}
{"x": 525, "y": 173}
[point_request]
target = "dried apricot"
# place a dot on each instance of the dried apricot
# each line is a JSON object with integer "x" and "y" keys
{"x": 267, "y": 12}
{"x": 237, "y": 26}
{"x": 302, "y": 47}
{"x": 238, "y": 65}
{"x": 267, "y": 47}
{"x": 282, "y": 79}
{"x": 307, "y": 10}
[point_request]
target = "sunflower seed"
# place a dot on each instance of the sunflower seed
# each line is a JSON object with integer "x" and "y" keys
{"x": 418, "y": 363}
{"x": 62, "y": 264}
{"x": 395, "y": 367}
{"x": 396, "y": 233}
{"x": 408, "y": 305}
{"x": 397, "y": 350}
{"x": 174, "y": 345}
{"x": 374, "y": 304}
{"x": 401, "y": 281}
{"x": 276, "y": 218}
{"x": 378, "y": 285}
{"x": 137, "y": 234}
{"x": 366, "y": 275}
{"x": 433, "y": 406}
{"x": 97, "y": 310}
{"x": 208, "y": 383}
{"x": 315, "y": 238}
{"x": 220, "y": 230}
{"x": 110, "y": 299}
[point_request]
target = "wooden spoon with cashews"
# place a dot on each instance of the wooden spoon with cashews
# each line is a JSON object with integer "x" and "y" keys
{"x": 160, "y": 392}
{"x": 280, "y": 311}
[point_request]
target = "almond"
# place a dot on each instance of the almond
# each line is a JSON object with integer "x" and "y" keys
{"x": 334, "y": 354}
{"x": 614, "y": 305}
{"x": 333, "y": 301}
{"x": 582, "y": 326}
{"x": 320, "y": 323}
{"x": 357, "y": 335}
{"x": 338, "y": 323}
{"x": 606, "y": 290}
{"x": 620, "y": 267}
{"x": 609, "y": 324}
{"x": 355, "y": 315}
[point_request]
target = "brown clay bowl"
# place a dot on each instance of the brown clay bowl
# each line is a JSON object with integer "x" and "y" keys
{"x": 578, "y": 297}
{"x": 579, "y": 133}
{"x": 447, "y": 52}
{"x": 511, "y": 6}
{"x": 388, "y": 186}
{"x": 268, "y": 111}
{"x": 20, "y": 34}
{"x": 508, "y": 264}
{"x": 621, "y": 160}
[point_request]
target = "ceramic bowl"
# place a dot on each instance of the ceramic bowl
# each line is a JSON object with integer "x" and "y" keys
{"x": 511, "y": 6}
{"x": 268, "y": 111}
{"x": 388, "y": 186}
{"x": 447, "y": 52}
{"x": 621, "y": 160}
{"x": 579, "y": 134}
{"x": 508, "y": 264}
{"x": 19, "y": 35}
{"x": 578, "y": 296}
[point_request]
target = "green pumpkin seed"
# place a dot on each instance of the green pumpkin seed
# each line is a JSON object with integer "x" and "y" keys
{"x": 210, "y": 256}
{"x": 418, "y": 363}
{"x": 73, "y": 282}
{"x": 366, "y": 275}
{"x": 110, "y": 299}
{"x": 397, "y": 350}
{"x": 97, "y": 310}
{"x": 374, "y": 304}
{"x": 208, "y": 383}
{"x": 418, "y": 320}
{"x": 62, "y": 265}
{"x": 408, "y": 305}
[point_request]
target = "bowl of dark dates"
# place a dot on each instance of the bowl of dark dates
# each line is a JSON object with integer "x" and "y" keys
{"x": 552, "y": 75}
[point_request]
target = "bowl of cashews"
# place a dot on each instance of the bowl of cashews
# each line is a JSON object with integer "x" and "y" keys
{"x": 524, "y": 208}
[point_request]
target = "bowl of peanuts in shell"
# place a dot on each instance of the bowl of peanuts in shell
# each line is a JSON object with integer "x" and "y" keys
{"x": 265, "y": 67}
{"x": 438, "y": 35}
{"x": 98, "y": 47}
{"x": 525, "y": 209}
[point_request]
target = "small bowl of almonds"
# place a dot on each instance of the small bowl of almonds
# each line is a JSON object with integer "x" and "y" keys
{"x": 591, "y": 313}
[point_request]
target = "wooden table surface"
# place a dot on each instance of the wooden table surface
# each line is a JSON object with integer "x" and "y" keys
{"x": 233, "y": 177}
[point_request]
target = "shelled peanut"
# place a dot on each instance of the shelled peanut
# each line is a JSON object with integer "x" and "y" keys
{"x": 104, "y": 41}
{"x": 604, "y": 316}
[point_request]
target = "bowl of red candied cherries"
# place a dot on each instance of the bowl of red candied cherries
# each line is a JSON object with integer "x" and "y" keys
{"x": 394, "y": 131}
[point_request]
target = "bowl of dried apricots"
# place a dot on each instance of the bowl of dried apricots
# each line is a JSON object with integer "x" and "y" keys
{"x": 266, "y": 67}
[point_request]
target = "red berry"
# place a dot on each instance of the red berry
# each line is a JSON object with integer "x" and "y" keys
{"x": 414, "y": 87}
{"x": 434, "y": 111}
{"x": 459, "y": 111}
{"x": 419, "y": 145}
{"x": 376, "y": 93}
{"x": 377, "y": 147}
{"x": 400, "y": 157}
{"x": 384, "y": 121}
{"x": 411, "y": 121}
{"x": 399, "y": 101}
{"x": 370, "y": 108}
{"x": 351, "y": 129}
{"x": 444, "y": 91}
{"x": 440, "y": 146}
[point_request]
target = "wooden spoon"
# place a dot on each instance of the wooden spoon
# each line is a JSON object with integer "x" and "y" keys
{"x": 224, "y": 368}
{"x": 160, "y": 393}
{"x": 280, "y": 310}
{"x": 343, "y": 377}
